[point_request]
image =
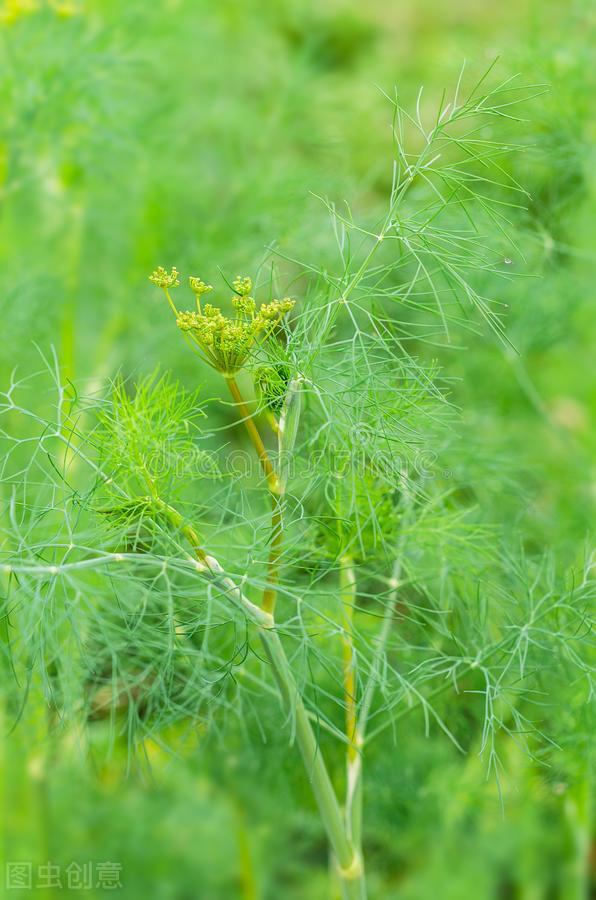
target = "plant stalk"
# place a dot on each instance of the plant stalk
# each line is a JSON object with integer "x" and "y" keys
{"x": 275, "y": 549}
{"x": 353, "y": 806}
{"x": 276, "y": 491}
{"x": 253, "y": 433}
{"x": 347, "y": 855}
{"x": 348, "y": 858}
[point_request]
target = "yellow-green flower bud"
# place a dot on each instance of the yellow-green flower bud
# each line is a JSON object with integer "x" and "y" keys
{"x": 164, "y": 279}
{"x": 242, "y": 285}
{"x": 198, "y": 286}
{"x": 276, "y": 309}
{"x": 244, "y": 304}
{"x": 226, "y": 342}
{"x": 186, "y": 321}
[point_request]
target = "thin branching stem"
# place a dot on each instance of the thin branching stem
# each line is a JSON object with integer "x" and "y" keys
{"x": 347, "y": 578}
{"x": 254, "y": 435}
{"x": 353, "y": 804}
{"x": 275, "y": 550}
{"x": 273, "y": 483}
{"x": 347, "y": 854}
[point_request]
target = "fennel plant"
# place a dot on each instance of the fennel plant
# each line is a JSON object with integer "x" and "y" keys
{"x": 156, "y": 576}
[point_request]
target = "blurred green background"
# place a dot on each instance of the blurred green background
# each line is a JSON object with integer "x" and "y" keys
{"x": 196, "y": 134}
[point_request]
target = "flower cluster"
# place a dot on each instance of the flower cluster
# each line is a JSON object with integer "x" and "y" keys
{"x": 164, "y": 279}
{"x": 225, "y": 342}
{"x": 199, "y": 287}
{"x": 242, "y": 285}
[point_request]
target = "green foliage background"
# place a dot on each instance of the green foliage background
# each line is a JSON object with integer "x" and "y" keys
{"x": 197, "y": 134}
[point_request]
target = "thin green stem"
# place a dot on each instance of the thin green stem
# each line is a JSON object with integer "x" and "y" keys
{"x": 348, "y": 858}
{"x": 178, "y": 521}
{"x": 254, "y": 435}
{"x": 354, "y": 789}
{"x": 381, "y": 644}
{"x": 347, "y": 854}
{"x": 170, "y": 301}
{"x": 347, "y": 580}
{"x": 275, "y": 549}
{"x": 334, "y": 308}
{"x": 275, "y": 489}
{"x": 353, "y": 804}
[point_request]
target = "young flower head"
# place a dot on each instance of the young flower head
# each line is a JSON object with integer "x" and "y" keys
{"x": 242, "y": 285}
{"x": 225, "y": 342}
{"x": 275, "y": 310}
{"x": 164, "y": 279}
{"x": 244, "y": 305}
{"x": 199, "y": 287}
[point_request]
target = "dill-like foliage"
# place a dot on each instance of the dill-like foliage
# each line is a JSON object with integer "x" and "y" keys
{"x": 135, "y": 560}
